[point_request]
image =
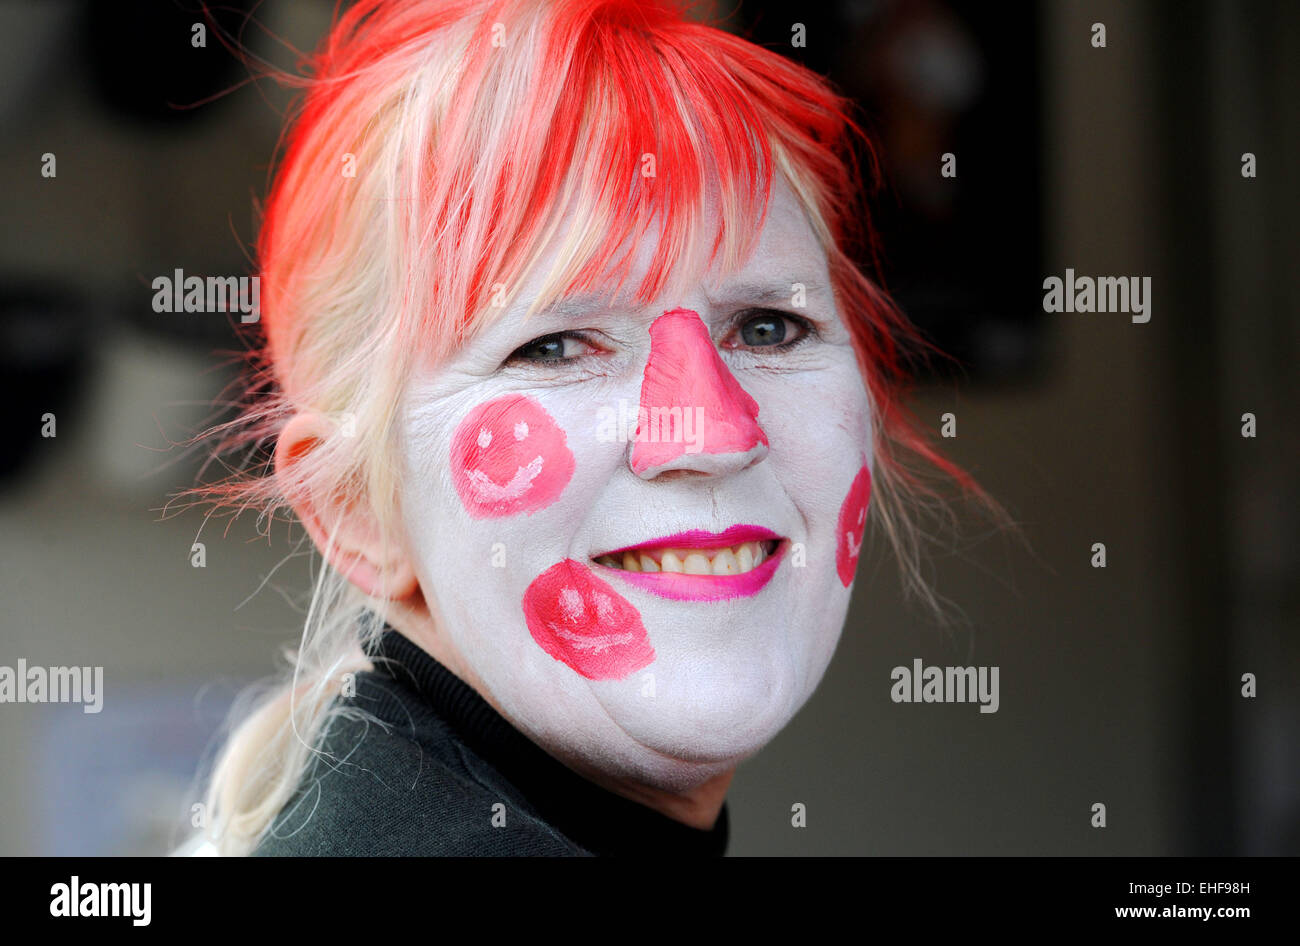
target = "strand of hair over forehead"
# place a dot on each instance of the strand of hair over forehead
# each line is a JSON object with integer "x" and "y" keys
{"x": 476, "y": 129}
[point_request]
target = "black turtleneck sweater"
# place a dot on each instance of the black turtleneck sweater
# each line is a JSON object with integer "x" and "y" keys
{"x": 446, "y": 774}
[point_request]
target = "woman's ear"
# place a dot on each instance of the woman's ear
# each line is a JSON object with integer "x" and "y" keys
{"x": 358, "y": 552}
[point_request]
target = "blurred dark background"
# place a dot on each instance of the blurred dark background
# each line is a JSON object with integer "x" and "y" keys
{"x": 1119, "y": 685}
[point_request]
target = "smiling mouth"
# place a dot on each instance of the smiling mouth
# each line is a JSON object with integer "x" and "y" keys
{"x": 698, "y": 565}
{"x": 720, "y": 561}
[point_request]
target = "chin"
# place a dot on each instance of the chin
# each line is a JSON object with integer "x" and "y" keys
{"x": 696, "y": 720}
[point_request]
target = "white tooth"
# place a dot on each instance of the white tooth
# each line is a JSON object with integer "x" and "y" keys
{"x": 696, "y": 564}
{"x": 760, "y": 553}
{"x": 745, "y": 556}
{"x": 630, "y": 564}
{"x": 724, "y": 563}
{"x": 648, "y": 564}
{"x": 670, "y": 563}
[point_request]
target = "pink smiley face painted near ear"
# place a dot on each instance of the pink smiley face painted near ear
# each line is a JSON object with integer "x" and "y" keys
{"x": 852, "y": 526}
{"x": 585, "y": 624}
{"x": 509, "y": 456}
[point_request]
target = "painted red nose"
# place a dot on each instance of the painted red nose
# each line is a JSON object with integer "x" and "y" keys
{"x": 698, "y": 415}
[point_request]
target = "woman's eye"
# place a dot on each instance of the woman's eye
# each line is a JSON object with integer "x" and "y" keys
{"x": 770, "y": 329}
{"x": 562, "y": 346}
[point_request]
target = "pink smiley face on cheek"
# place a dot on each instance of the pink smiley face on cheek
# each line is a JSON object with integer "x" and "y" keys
{"x": 509, "y": 456}
{"x": 851, "y": 528}
{"x": 585, "y": 624}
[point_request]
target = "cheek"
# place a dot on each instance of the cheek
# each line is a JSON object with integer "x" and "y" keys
{"x": 852, "y": 525}
{"x": 509, "y": 456}
{"x": 585, "y": 624}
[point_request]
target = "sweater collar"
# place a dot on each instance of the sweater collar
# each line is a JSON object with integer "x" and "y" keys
{"x": 594, "y": 818}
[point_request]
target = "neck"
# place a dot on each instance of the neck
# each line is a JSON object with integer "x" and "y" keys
{"x": 697, "y": 807}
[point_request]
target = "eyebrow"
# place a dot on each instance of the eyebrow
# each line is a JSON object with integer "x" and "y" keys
{"x": 766, "y": 291}
{"x": 752, "y": 291}
{"x": 569, "y": 306}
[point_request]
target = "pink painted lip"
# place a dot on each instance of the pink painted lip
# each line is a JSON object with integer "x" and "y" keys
{"x": 681, "y": 587}
{"x": 700, "y": 539}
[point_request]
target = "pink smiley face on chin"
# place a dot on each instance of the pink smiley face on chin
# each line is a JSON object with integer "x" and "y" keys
{"x": 509, "y": 456}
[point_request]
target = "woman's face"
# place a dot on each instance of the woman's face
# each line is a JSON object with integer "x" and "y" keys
{"x": 639, "y": 537}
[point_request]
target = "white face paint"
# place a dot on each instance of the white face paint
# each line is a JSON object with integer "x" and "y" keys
{"x": 516, "y": 479}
